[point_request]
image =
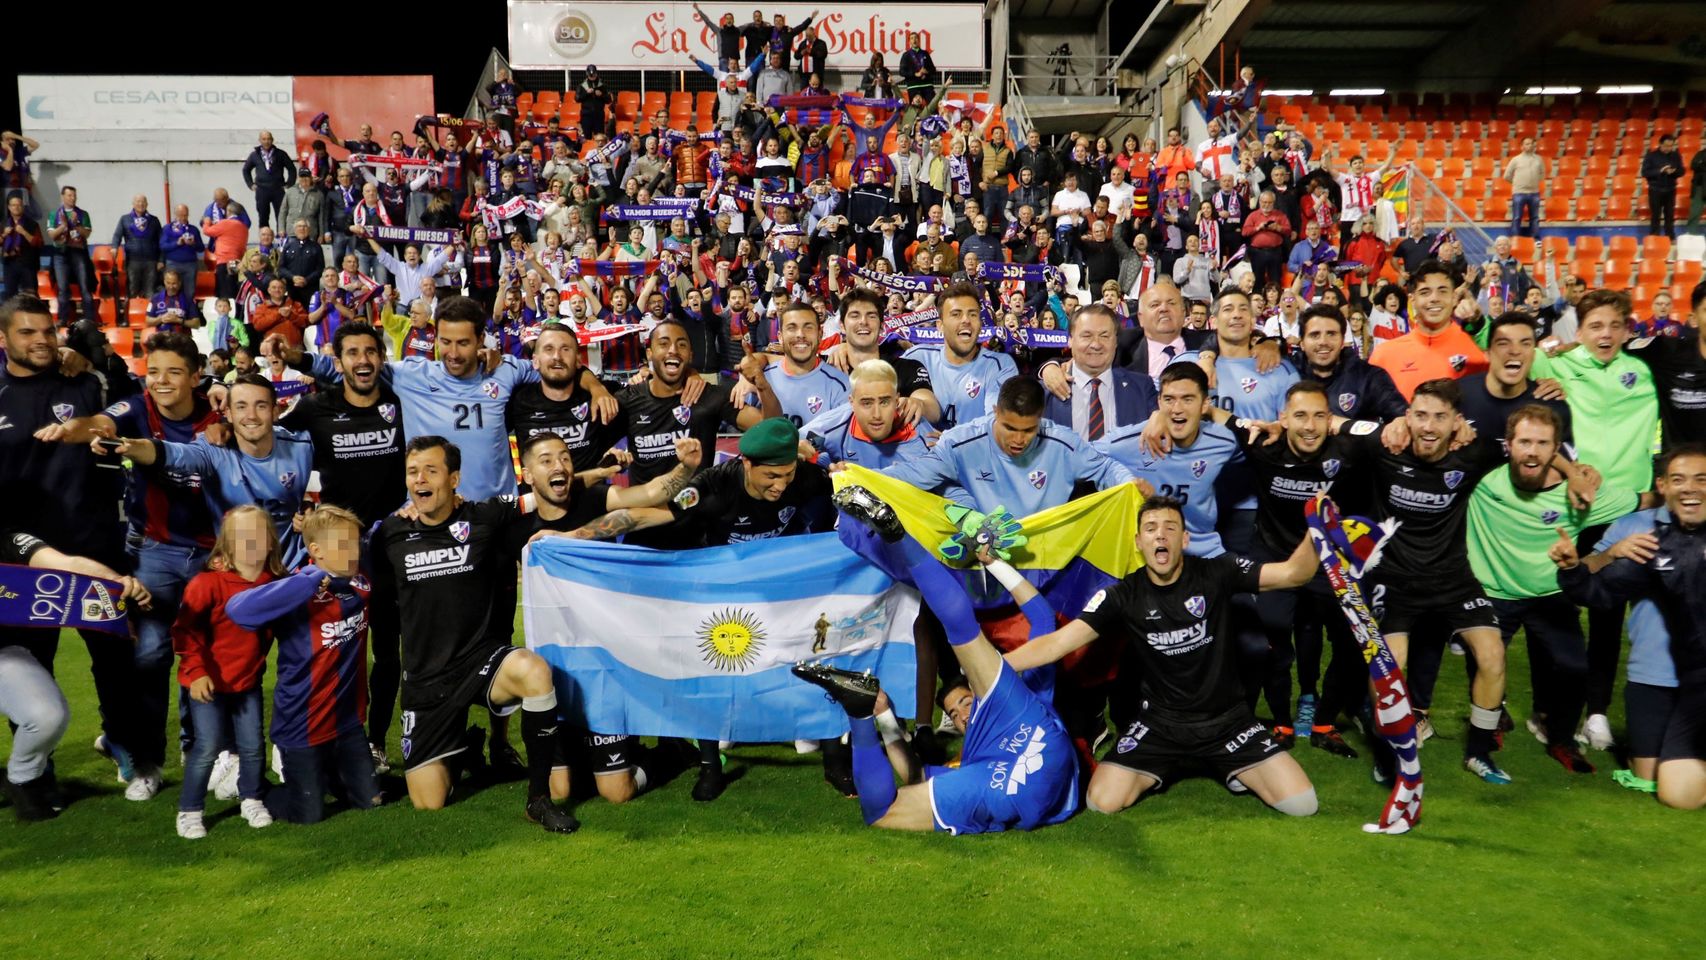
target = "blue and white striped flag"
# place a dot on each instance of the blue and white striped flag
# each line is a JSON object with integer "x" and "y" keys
{"x": 698, "y": 643}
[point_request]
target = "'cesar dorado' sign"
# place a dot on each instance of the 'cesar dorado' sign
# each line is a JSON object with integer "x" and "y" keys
{"x": 141, "y": 102}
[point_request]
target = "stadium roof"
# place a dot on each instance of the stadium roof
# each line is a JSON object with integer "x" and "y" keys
{"x": 1418, "y": 44}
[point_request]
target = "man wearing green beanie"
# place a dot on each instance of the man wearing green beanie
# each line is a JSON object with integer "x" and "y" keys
{"x": 768, "y": 492}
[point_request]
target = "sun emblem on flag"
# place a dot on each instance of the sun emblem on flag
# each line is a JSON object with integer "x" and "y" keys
{"x": 730, "y": 639}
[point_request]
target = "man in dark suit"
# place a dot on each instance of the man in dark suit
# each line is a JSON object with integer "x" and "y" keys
{"x": 1103, "y": 396}
{"x": 1159, "y": 338}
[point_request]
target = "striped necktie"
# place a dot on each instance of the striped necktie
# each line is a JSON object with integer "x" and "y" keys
{"x": 1095, "y": 420}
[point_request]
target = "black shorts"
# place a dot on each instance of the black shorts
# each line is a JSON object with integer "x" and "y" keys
{"x": 601, "y": 754}
{"x": 1221, "y": 747}
{"x": 1455, "y": 606}
{"x": 1685, "y": 734}
{"x": 434, "y": 721}
{"x": 1647, "y": 710}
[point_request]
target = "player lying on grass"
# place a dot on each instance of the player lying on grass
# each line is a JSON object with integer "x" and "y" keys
{"x": 1017, "y": 769}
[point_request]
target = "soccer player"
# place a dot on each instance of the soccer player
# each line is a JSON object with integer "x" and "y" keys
{"x": 1508, "y": 386}
{"x": 862, "y": 340}
{"x": 1355, "y": 389}
{"x": 1512, "y": 519}
{"x": 804, "y": 385}
{"x": 1306, "y": 460}
{"x": 1436, "y": 348}
{"x": 767, "y": 492}
{"x": 1195, "y": 457}
{"x": 170, "y": 526}
{"x": 358, "y": 431}
{"x": 1190, "y": 710}
{"x": 453, "y": 567}
{"x": 1615, "y": 404}
{"x": 869, "y": 429}
{"x": 29, "y": 698}
{"x": 1425, "y": 576}
{"x": 622, "y": 768}
{"x": 1673, "y": 573}
{"x": 560, "y": 403}
{"x": 318, "y": 619}
{"x": 1017, "y": 768}
{"x": 268, "y": 466}
{"x": 964, "y": 376}
{"x": 655, "y": 413}
{"x": 1678, "y": 366}
{"x": 1012, "y": 458}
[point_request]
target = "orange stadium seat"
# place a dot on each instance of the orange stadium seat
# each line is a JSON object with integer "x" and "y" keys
{"x": 1651, "y": 271}
{"x": 1555, "y": 249}
{"x": 1597, "y": 165}
{"x": 1655, "y": 248}
{"x": 1590, "y": 207}
{"x": 1471, "y": 207}
{"x": 1556, "y": 208}
{"x": 1622, "y": 248}
{"x": 1619, "y": 273}
{"x": 1586, "y": 268}
{"x": 681, "y": 101}
{"x": 1452, "y": 167}
{"x": 1481, "y": 166}
{"x": 1497, "y": 209}
{"x": 1688, "y": 273}
{"x": 1592, "y": 186}
{"x": 1475, "y": 187}
{"x": 1590, "y": 246}
{"x": 1628, "y": 162}
{"x": 1567, "y": 166}
{"x": 1501, "y": 187}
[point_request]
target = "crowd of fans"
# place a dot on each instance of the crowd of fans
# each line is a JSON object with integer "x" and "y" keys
{"x": 948, "y": 261}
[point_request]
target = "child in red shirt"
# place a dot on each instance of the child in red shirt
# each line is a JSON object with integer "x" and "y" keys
{"x": 221, "y": 663}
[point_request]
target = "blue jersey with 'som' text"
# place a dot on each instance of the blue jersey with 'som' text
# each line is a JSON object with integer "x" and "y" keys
{"x": 1018, "y": 769}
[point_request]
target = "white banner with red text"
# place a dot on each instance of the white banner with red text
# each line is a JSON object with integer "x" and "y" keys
{"x": 551, "y": 35}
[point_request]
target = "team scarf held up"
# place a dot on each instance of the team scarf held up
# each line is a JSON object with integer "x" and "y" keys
{"x": 750, "y": 195}
{"x": 901, "y": 282}
{"x": 576, "y": 267}
{"x": 1347, "y": 549}
{"x": 59, "y": 599}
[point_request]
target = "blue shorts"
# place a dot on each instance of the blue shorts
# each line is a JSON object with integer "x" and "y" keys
{"x": 1018, "y": 769}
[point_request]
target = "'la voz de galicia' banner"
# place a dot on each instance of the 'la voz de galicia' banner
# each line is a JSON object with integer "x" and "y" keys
{"x": 551, "y": 35}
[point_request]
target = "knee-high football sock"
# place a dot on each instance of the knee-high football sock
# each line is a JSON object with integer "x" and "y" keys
{"x": 947, "y": 599}
{"x": 871, "y": 771}
{"x": 539, "y": 736}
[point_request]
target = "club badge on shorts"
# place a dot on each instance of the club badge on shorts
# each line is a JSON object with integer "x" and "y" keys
{"x": 1037, "y": 478}
{"x": 389, "y": 412}
{"x": 1196, "y": 606}
{"x": 459, "y": 530}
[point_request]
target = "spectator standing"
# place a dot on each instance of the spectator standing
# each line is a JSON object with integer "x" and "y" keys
{"x": 1662, "y": 167}
{"x": 138, "y": 234}
{"x": 1524, "y": 173}
{"x": 269, "y": 171}
{"x": 68, "y": 228}
{"x": 20, "y": 247}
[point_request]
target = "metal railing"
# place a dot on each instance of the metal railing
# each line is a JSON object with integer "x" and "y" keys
{"x": 1060, "y": 73}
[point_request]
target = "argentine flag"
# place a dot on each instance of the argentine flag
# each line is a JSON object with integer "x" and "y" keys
{"x": 698, "y": 643}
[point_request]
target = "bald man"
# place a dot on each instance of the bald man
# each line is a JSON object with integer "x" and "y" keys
{"x": 269, "y": 171}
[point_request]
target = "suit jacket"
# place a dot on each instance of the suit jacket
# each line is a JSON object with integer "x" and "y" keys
{"x": 1133, "y": 351}
{"x": 1134, "y": 400}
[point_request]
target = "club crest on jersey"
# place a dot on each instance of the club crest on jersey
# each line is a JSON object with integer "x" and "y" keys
{"x": 1453, "y": 478}
{"x": 459, "y": 530}
{"x": 490, "y": 389}
{"x": 119, "y": 409}
{"x": 1347, "y": 402}
{"x": 814, "y": 404}
{"x": 1330, "y": 468}
{"x": 1549, "y": 517}
{"x": 581, "y": 410}
{"x": 1458, "y": 361}
{"x": 1627, "y": 378}
{"x": 1249, "y": 384}
{"x": 389, "y": 412}
{"x": 784, "y": 515}
{"x": 359, "y": 582}
{"x": 1037, "y": 478}
{"x": 1198, "y": 468}
{"x": 973, "y": 386}
{"x": 63, "y": 411}
{"x": 1196, "y": 606}
{"x": 683, "y": 414}
{"x": 287, "y": 479}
